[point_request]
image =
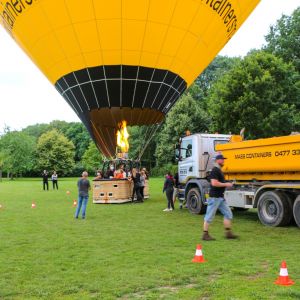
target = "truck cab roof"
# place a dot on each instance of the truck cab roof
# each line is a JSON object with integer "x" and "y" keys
{"x": 208, "y": 135}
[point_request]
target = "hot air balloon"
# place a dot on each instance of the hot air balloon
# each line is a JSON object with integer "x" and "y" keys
{"x": 122, "y": 60}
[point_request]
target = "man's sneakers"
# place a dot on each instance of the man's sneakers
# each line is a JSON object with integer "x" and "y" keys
{"x": 207, "y": 237}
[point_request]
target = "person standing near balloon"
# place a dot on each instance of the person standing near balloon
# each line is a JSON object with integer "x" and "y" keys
{"x": 84, "y": 186}
{"x": 169, "y": 189}
{"x": 54, "y": 179}
{"x": 136, "y": 179}
{"x": 45, "y": 180}
{"x": 143, "y": 182}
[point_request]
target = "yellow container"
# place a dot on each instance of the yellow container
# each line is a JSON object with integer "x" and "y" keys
{"x": 276, "y": 158}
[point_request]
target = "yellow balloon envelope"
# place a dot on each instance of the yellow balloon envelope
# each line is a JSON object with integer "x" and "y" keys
{"x": 115, "y": 60}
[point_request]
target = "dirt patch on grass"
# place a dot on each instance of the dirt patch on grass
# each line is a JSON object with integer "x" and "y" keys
{"x": 161, "y": 292}
{"x": 213, "y": 277}
{"x": 265, "y": 267}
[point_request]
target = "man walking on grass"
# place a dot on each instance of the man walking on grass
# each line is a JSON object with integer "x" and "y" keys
{"x": 83, "y": 194}
{"x": 216, "y": 201}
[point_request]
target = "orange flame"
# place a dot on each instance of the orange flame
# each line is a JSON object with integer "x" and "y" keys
{"x": 122, "y": 137}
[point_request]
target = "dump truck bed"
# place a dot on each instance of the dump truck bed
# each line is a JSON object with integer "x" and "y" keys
{"x": 274, "y": 159}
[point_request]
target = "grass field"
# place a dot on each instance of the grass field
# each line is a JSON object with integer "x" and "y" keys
{"x": 133, "y": 251}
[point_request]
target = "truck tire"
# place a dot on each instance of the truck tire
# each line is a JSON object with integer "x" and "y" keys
{"x": 274, "y": 208}
{"x": 194, "y": 202}
{"x": 296, "y": 211}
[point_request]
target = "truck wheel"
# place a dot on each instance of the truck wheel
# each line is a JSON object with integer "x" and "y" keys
{"x": 194, "y": 202}
{"x": 274, "y": 208}
{"x": 296, "y": 211}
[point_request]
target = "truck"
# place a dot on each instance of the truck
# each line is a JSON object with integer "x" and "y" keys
{"x": 265, "y": 173}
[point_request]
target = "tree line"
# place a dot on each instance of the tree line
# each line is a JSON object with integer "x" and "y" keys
{"x": 259, "y": 92}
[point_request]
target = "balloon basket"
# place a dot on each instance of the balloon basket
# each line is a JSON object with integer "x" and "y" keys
{"x": 114, "y": 191}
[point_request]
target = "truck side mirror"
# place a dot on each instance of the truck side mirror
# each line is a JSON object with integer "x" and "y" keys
{"x": 177, "y": 155}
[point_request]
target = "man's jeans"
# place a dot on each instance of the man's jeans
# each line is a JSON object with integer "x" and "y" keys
{"x": 213, "y": 205}
{"x": 82, "y": 201}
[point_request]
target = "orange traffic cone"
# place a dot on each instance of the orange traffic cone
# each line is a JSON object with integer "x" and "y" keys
{"x": 283, "y": 278}
{"x": 198, "y": 258}
{"x": 74, "y": 203}
{"x": 33, "y": 205}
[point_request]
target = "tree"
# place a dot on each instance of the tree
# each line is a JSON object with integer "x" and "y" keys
{"x": 217, "y": 68}
{"x": 92, "y": 158}
{"x": 283, "y": 39}
{"x": 55, "y": 152}
{"x": 261, "y": 93}
{"x": 185, "y": 115}
{"x": 36, "y": 130}
{"x": 74, "y": 131}
{"x": 17, "y": 151}
{"x": 2, "y": 160}
{"x": 77, "y": 133}
{"x": 139, "y": 136}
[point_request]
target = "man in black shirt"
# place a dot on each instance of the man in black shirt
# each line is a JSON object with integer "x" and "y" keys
{"x": 216, "y": 201}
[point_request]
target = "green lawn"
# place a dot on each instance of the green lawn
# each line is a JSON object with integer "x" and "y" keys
{"x": 133, "y": 251}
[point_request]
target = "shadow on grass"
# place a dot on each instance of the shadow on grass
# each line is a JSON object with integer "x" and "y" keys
{"x": 248, "y": 215}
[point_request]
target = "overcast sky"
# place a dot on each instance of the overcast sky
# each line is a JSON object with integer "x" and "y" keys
{"x": 27, "y": 97}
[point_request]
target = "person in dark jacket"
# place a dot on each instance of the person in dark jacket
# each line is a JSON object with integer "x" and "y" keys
{"x": 45, "y": 180}
{"x": 216, "y": 201}
{"x": 136, "y": 179}
{"x": 169, "y": 189}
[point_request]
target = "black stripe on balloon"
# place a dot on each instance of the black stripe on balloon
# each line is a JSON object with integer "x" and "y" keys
{"x": 121, "y": 86}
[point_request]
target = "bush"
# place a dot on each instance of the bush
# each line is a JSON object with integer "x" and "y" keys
{"x": 162, "y": 170}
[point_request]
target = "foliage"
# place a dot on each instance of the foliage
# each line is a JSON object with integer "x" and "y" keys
{"x": 138, "y": 140}
{"x": 92, "y": 158}
{"x": 261, "y": 93}
{"x": 185, "y": 115}
{"x": 17, "y": 151}
{"x": 74, "y": 131}
{"x": 36, "y": 130}
{"x": 283, "y": 39}
{"x": 217, "y": 68}
{"x": 55, "y": 152}
{"x": 77, "y": 133}
{"x": 162, "y": 170}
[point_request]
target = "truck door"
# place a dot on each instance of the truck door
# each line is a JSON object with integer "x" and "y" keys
{"x": 187, "y": 164}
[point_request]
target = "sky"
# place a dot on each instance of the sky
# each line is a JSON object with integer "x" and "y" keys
{"x": 27, "y": 97}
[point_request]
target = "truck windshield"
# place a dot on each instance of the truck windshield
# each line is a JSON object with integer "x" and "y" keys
{"x": 186, "y": 148}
